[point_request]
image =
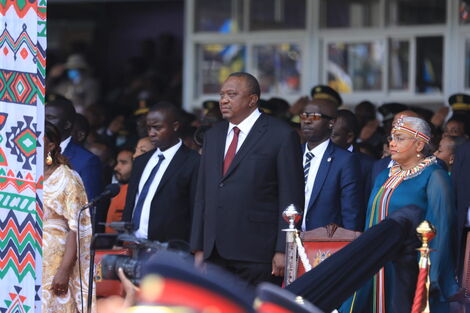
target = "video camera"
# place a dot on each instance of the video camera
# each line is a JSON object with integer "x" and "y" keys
{"x": 138, "y": 251}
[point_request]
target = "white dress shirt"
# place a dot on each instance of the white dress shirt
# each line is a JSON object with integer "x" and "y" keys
{"x": 142, "y": 231}
{"x": 318, "y": 153}
{"x": 245, "y": 126}
{"x": 64, "y": 144}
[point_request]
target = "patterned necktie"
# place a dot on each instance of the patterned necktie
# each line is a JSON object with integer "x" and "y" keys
{"x": 143, "y": 194}
{"x": 309, "y": 156}
{"x": 232, "y": 149}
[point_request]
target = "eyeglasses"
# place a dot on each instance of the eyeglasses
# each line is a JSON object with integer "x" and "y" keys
{"x": 314, "y": 116}
{"x": 399, "y": 139}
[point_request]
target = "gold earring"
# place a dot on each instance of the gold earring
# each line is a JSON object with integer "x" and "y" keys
{"x": 49, "y": 158}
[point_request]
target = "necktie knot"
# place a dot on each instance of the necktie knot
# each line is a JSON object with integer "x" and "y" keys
{"x": 236, "y": 130}
{"x": 309, "y": 156}
{"x": 161, "y": 157}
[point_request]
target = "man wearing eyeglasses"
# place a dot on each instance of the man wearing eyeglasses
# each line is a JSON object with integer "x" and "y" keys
{"x": 331, "y": 174}
{"x": 250, "y": 172}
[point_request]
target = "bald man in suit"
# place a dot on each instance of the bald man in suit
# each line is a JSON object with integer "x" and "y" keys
{"x": 250, "y": 172}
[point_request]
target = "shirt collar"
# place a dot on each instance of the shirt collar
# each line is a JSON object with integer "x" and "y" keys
{"x": 170, "y": 152}
{"x": 318, "y": 150}
{"x": 350, "y": 148}
{"x": 246, "y": 125}
{"x": 65, "y": 143}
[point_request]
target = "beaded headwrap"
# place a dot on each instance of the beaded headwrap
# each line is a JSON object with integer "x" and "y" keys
{"x": 402, "y": 126}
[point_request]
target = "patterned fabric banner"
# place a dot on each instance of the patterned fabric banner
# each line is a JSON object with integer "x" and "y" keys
{"x": 22, "y": 88}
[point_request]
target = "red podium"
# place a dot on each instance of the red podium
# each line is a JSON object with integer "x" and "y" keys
{"x": 322, "y": 242}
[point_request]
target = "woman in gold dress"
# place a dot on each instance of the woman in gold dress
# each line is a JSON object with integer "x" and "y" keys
{"x": 64, "y": 284}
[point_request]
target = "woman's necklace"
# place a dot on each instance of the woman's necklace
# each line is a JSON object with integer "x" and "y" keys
{"x": 397, "y": 174}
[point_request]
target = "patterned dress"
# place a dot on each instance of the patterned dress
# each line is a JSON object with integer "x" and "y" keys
{"x": 64, "y": 195}
{"x": 427, "y": 186}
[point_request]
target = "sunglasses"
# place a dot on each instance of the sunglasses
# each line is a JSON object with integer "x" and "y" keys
{"x": 314, "y": 116}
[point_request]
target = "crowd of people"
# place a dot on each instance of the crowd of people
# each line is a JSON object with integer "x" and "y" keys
{"x": 219, "y": 179}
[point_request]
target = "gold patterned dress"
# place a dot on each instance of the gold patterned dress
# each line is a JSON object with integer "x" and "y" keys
{"x": 64, "y": 195}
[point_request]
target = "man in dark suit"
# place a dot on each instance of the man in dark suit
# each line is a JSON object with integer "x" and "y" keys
{"x": 344, "y": 135}
{"x": 162, "y": 186}
{"x": 61, "y": 113}
{"x": 332, "y": 174}
{"x": 250, "y": 172}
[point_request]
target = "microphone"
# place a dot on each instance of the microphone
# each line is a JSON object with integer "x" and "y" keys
{"x": 110, "y": 191}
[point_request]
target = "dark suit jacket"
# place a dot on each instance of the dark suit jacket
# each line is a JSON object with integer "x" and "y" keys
{"x": 336, "y": 195}
{"x": 366, "y": 164}
{"x": 461, "y": 183}
{"x": 240, "y": 212}
{"x": 171, "y": 208}
{"x": 88, "y": 166}
{"x": 378, "y": 167}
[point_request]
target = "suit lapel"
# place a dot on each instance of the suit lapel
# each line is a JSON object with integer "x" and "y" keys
{"x": 69, "y": 151}
{"x": 256, "y": 132}
{"x": 322, "y": 173}
{"x": 175, "y": 165}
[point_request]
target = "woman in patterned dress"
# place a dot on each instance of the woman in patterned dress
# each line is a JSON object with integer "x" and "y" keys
{"x": 415, "y": 178}
{"x": 65, "y": 270}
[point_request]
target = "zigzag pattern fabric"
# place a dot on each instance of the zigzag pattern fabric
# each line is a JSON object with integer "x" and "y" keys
{"x": 22, "y": 94}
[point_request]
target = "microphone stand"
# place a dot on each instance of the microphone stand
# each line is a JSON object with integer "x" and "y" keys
{"x": 110, "y": 191}
{"x": 90, "y": 206}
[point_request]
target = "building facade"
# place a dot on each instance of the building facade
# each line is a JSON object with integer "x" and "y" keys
{"x": 411, "y": 51}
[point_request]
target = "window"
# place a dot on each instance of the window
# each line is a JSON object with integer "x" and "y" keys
{"x": 278, "y": 68}
{"x": 277, "y": 14}
{"x": 349, "y": 13}
{"x": 223, "y": 16}
{"x": 467, "y": 64}
{"x": 355, "y": 66}
{"x": 464, "y": 12}
{"x": 416, "y": 12}
{"x": 399, "y": 64}
{"x": 379, "y": 50}
{"x": 429, "y": 61}
{"x": 216, "y": 62}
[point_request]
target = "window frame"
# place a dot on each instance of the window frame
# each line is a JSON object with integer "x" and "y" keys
{"x": 313, "y": 42}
